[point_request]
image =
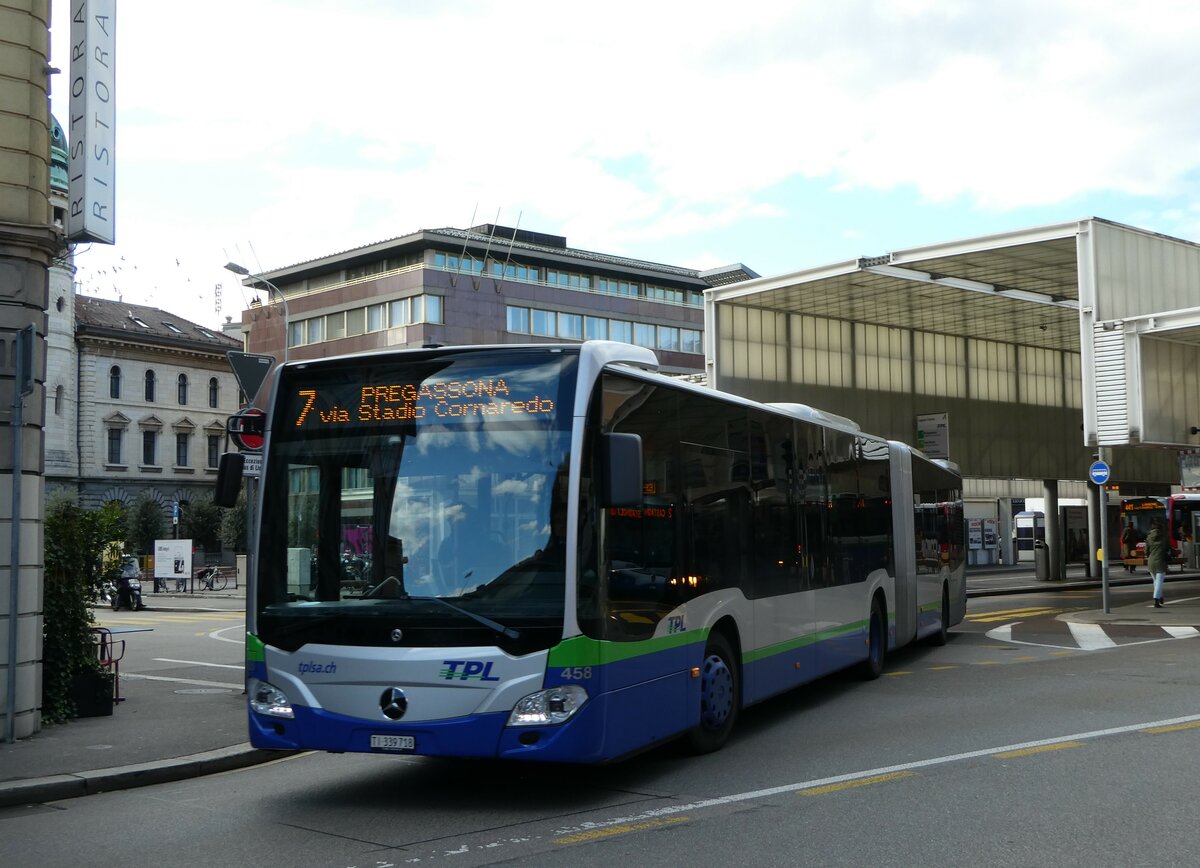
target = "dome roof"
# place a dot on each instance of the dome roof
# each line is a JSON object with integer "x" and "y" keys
{"x": 59, "y": 159}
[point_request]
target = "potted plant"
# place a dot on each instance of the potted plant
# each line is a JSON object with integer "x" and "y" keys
{"x": 73, "y": 681}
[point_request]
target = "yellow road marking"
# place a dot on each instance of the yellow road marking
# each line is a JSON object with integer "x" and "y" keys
{"x": 941, "y": 668}
{"x": 1008, "y": 616}
{"x": 861, "y": 782}
{"x": 1175, "y": 728}
{"x": 1030, "y": 751}
{"x": 623, "y": 829}
{"x": 899, "y": 672}
{"x": 987, "y": 663}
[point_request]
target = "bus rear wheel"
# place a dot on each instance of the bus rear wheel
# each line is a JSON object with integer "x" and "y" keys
{"x": 872, "y": 667}
{"x": 939, "y": 637}
{"x": 720, "y": 696}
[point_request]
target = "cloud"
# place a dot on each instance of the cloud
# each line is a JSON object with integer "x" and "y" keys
{"x": 308, "y": 127}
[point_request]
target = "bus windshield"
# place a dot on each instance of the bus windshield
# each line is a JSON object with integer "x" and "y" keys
{"x": 412, "y": 502}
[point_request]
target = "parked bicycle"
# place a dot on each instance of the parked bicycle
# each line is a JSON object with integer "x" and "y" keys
{"x": 211, "y": 579}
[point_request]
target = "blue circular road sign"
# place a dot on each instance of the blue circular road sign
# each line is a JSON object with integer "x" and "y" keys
{"x": 1099, "y": 472}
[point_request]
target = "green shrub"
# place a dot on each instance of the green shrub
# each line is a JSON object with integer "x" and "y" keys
{"x": 75, "y": 542}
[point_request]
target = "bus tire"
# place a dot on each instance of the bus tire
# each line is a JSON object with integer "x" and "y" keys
{"x": 720, "y": 696}
{"x": 872, "y": 667}
{"x": 939, "y": 637}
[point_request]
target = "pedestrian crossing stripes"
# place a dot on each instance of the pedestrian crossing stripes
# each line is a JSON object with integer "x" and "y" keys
{"x": 1051, "y": 633}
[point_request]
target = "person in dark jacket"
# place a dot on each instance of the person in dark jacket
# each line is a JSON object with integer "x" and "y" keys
{"x": 1156, "y": 559}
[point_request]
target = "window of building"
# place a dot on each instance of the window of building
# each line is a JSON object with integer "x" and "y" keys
{"x": 376, "y": 317}
{"x": 689, "y": 341}
{"x": 619, "y": 330}
{"x": 543, "y": 322}
{"x": 518, "y": 320}
{"x": 595, "y": 328}
{"x": 613, "y": 286}
{"x": 335, "y": 326}
{"x": 569, "y": 279}
{"x": 668, "y": 338}
{"x": 181, "y": 449}
{"x": 150, "y": 384}
{"x": 183, "y": 390}
{"x": 114, "y": 381}
{"x": 356, "y": 321}
{"x": 174, "y": 328}
{"x": 314, "y": 330}
{"x": 516, "y": 271}
{"x": 58, "y": 400}
{"x": 433, "y": 309}
{"x": 400, "y": 312}
{"x": 116, "y": 443}
{"x": 570, "y": 325}
{"x": 214, "y": 450}
{"x": 150, "y": 448}
{"x": 214, "y": 392}
{"x": 296, "y": 334}
{"x": 644, "y": 335}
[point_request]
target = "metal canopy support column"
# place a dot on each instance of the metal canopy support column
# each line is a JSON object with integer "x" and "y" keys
{"x": 1054, "y": 537}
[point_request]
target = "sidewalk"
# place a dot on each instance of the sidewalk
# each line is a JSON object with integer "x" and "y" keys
{"x": 157, "y": 736}
{"x": 154, "y": 736}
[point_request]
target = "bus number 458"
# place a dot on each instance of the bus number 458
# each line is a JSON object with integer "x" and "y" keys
{"x": 576, "y": 673}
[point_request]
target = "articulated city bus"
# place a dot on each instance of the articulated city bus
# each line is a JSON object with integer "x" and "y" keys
{"x": 563, "y": 555}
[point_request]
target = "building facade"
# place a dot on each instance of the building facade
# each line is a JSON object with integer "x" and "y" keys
{"x": 485, "y": 285}
{"x": 136, "y": 402}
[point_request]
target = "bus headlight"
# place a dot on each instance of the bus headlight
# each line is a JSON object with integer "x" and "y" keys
{"x": 556, "y": 705}
{"x": 270, "y": 700}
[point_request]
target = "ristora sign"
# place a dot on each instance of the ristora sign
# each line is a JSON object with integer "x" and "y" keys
{"x": 92, "y": 123}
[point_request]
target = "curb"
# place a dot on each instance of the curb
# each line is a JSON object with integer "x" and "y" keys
{"x": 70, "y": 786}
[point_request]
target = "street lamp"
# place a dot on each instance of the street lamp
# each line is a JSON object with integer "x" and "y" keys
{"x": 245, "y": 272}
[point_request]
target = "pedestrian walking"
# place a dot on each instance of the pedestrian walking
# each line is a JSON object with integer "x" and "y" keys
{"x": 1129, "y": 543}
{"x": 1156, "y": 559}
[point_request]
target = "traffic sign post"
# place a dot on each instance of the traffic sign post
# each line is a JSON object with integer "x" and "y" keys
{"x": 1099, "y": 473}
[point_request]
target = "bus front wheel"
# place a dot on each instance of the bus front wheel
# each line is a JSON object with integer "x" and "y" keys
{"x": 719, "y": 696}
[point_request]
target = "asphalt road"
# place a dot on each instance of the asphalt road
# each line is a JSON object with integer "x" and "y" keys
{"x": 985, "y": 751}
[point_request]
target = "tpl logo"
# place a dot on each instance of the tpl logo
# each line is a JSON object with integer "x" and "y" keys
{"x": 467, "y": 670}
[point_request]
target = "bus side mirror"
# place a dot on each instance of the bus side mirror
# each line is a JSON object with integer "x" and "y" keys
{"x": 229, "y": 478}
{"x": 621, "y": 470}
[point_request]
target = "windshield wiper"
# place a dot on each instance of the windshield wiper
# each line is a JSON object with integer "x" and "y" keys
{"x": 479, "y": 619}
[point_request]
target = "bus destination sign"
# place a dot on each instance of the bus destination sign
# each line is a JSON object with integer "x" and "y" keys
{"x": 441, "y": 401}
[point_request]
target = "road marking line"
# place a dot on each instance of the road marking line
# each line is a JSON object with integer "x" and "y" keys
{"x": 941, "y": 668}
{"x": 1182, "y": 632}
{"x": 1030, "y": 751}
{"x": 669, "y": 810}
{"x": 897, "y": 672}
{"x": 624, "y": 829}
{"x": 1195, "y": 724}
{"x": 861, "y": 782}
{"x": 198, "y": 663}
{"x": 181, "y": 680}
{"x": 1090, "y": 636}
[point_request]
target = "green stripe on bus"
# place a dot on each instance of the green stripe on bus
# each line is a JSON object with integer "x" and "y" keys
{"x": 256, "y": 651}
{"x": 583, "y": 651}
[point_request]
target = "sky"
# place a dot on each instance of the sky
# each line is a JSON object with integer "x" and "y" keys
{"x": 782, "y": 135}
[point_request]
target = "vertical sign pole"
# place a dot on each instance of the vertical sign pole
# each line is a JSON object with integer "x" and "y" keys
{"x": 1104, "y": 536}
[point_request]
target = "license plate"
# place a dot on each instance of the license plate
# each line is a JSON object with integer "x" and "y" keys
{"x": 393, "y": 742}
